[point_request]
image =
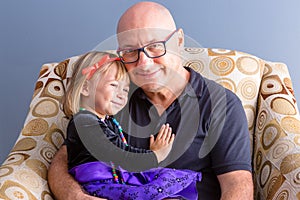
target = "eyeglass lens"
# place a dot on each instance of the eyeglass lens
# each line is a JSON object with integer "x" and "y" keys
{"x": 152, "y": 50}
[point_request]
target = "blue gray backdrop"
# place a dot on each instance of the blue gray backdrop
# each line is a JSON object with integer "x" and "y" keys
{"x": 34, "y": 32}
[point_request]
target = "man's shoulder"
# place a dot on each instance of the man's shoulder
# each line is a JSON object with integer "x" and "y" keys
{"x": 210, "y": 89}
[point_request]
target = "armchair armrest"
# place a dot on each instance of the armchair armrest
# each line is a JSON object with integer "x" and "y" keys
{"x": 276, "y": 159}
{"x": 23, "y": 175}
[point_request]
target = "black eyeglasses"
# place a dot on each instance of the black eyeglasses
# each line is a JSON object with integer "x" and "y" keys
{"x": 152, "y": 50}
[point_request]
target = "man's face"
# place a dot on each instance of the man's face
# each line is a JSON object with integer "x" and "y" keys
{"x": 151, "y": 74}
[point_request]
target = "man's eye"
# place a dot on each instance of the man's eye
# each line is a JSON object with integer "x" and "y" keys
{"x": 114, "y": 84}
{"x": 155, "y": 46}
{"x": 129, "y": 52}
{"x": 126, "y": 90}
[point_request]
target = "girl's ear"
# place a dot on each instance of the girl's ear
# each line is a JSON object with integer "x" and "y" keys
{"x": 85, "y": 91}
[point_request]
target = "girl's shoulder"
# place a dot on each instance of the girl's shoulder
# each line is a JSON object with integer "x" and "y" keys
{"x": 84, "y": 117}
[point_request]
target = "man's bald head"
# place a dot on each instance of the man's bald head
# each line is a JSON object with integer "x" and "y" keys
{"x": 146, "y": 15}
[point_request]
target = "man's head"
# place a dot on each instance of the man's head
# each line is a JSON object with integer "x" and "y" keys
{"x": 146, "y": 15}
{"x": 142, "y": 25}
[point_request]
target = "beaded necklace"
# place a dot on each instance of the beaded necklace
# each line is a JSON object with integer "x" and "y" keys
{"x": 115, "y": 175}
{"x": 114, "y": 172}
{"x": 120, "y": 131}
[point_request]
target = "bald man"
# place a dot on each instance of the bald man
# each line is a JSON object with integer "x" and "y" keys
{"x": 208, "y": 120}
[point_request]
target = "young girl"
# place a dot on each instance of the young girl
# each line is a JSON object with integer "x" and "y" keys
{"x": 95, "y": 142}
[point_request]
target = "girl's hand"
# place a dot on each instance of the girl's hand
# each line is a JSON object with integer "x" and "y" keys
{"x": 162, "y": 145}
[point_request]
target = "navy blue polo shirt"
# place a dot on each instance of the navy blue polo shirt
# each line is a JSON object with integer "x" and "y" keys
{"x": 210, "y": 126}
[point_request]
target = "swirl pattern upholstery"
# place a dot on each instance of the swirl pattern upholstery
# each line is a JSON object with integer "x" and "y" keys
{"x": 265, "y": 89}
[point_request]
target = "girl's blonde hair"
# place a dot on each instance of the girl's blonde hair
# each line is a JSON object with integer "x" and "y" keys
{"x": 71, "y": 100}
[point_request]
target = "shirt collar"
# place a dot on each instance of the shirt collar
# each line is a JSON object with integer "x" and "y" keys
{"x": 194, "y": 88}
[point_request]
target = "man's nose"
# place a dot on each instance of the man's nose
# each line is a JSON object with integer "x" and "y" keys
{"x": 144, "y": 59}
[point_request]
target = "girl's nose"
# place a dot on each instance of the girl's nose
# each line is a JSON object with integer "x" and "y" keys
{"x": 121, "y": 93}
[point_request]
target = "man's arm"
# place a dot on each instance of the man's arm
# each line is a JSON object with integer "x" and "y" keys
{"x": 62, "y": 184}
{"x": 236, "y": 185}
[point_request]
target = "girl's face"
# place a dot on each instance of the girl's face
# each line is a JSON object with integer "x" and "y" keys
{"x": 110, "y": 95}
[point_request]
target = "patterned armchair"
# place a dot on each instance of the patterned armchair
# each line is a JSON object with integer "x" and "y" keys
{"x": 265, "y": 89}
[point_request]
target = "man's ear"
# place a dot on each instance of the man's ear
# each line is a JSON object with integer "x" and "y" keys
{"x": 180, "y": 38}
{"x": 85, "y": 91}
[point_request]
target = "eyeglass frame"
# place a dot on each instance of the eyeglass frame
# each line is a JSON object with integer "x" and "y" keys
{"x": 143, "y": 49}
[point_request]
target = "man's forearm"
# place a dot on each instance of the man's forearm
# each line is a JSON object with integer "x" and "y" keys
{"x": 236, "y": 185}
{"x": 62, "y": 184}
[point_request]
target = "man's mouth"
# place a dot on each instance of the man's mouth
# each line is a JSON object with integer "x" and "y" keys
{"x": 148, "y": 74}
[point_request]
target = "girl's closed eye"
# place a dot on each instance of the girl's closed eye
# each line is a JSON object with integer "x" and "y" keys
{"x": 126, "y": 90}
{"x": 114, "y": 84}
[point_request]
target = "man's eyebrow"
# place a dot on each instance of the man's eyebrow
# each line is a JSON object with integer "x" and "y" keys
{"x": 128, "y": 46}
{"x": 153, "y": 40}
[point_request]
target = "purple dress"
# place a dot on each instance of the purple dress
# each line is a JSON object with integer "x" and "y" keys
{"x": 154, "y": 184}
{"x": 99, "y": 178}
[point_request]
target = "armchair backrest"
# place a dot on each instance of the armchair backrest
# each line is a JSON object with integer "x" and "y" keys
{"x": 265, "y": 89}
